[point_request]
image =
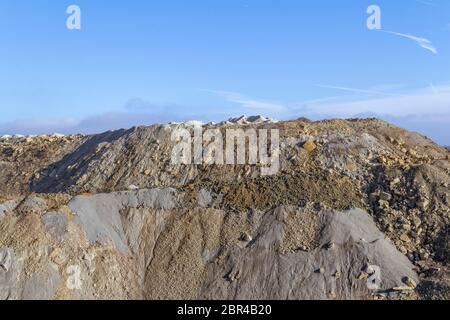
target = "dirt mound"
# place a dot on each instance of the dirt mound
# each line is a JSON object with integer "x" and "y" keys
{"x": 155, "y": 249}
{"x": 352, "y": 199}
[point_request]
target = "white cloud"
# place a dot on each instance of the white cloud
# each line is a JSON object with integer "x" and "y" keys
{"x": 426, "y": 110}
{"x": 422, "y": 42}
{"x": 249, "y": 103}
{"x": 424, "y": 101}
{"x": 135, "y": 112}
{"x": 368, "y": 91}
{"x": 428, "y": 3}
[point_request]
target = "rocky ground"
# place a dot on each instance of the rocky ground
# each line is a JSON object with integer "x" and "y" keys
{"x": 359, "y": 210}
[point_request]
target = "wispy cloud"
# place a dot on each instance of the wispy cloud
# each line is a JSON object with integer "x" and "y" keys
{"x": 427, "y": 100}
{"x": 430, "y": 101}
{"x": 249, "y": 103}
{"x": 135, "y": 112}
{"x": 368, "y": 91}
{"x": 422, "y": 42}
{"x": 422, "y": 109}
{"x": 138, "y": 104}
{"x": 427, "y": 3}
{"x": 425, "y": 110}
{"x": 88, "y": 125}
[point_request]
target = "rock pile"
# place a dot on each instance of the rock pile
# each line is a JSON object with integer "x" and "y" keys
{"x": 359, "y": 210}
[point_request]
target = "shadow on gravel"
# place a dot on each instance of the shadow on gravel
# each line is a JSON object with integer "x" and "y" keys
{"x": 442, "y": 245}
{"x": 60, "y": 176}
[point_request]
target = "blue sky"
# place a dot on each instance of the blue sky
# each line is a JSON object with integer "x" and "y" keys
{"x": 139, "y": 62}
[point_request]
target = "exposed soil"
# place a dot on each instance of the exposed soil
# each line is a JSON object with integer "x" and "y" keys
{"x": 110, "y": 215}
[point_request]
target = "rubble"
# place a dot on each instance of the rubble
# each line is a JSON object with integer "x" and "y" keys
{"x": 351, "y": 195}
